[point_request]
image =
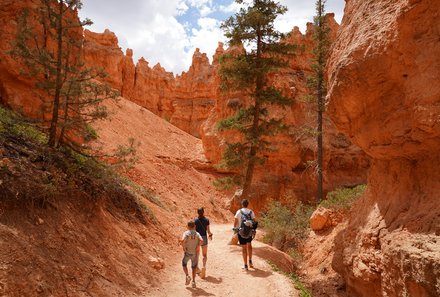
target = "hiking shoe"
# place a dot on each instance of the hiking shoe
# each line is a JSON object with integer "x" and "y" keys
{"x": 251, "y": 265}
{"x": 203, "y": 272}
{"x": 193, "y": 284}
{"x": 188, "y": 280}
{"x": 245, "y": 267}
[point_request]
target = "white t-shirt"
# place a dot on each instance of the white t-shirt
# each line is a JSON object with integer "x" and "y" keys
{"x": 245, "y": 211}
{"x": 191, "y": 239}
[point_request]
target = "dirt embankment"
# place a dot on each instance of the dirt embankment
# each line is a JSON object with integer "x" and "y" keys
{"x": 95, "y": 239}
{"x": 89, "y": 239}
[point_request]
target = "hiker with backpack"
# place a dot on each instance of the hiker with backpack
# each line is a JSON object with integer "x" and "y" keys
{"x": 244, "y": 225}
{"x": 202, "y": 227}
{"x": 191, "y": 242}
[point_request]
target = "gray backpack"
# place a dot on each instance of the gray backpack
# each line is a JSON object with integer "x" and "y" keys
{"x": 246, "y": 225}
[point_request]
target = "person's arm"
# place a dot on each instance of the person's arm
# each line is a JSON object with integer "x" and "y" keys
{"x": 182, "y": 242}
{"x": 208, "y": 229}
{"x": 235, "y": 222}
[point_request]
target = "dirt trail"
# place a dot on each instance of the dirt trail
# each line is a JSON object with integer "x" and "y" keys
{"x": 224, "y": 274}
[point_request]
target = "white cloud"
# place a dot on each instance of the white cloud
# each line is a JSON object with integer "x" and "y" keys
{"x": 205, "y": 10}
{"x": 151, "y": 29}
{"x": 231, "y": 8}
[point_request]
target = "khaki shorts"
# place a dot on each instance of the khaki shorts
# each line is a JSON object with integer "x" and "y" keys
{"x": 193, "y": 257}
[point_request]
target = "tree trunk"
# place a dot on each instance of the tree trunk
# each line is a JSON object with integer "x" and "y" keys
{"x": 320, "y": 149}
{"x": 320, "y": 95}
{"x": 58, "y": 83}
{"x": 255, "y": 126}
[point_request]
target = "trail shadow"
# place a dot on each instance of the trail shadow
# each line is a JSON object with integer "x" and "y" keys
{"x": 214, "y": 280}
{"x": 199, "y": 292}
{"x": 255, "y": 272}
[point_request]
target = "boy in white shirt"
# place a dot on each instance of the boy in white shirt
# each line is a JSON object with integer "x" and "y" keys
{"x": 191, "y": 242}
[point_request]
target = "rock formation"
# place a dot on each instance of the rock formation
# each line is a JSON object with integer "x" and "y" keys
{"x": 192, "y": 102}
{"x": 287, "y": 172}
{"x": 385, "y": 96}
{"x": 184, "y": 100}
{"x": 17, "y": 88}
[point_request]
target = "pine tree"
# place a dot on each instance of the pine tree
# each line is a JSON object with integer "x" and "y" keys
{"x": 52, "y": 54}
{"x": 260, "y": 53}
{"x": 318, "y": 84}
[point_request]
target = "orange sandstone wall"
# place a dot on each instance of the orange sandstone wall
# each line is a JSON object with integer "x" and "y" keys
{"x": 17, "y": 88}
{"x": 192, "y": 101}
{"x": 384, "y": 76}
{"x": 184, "y": 100}
{"x": 287, "y": 173}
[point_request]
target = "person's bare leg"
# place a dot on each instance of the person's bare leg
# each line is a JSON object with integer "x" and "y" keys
{"x": 187, "y": 278}
{"x": 249, "y": 248}
{"x": 194, "y": 270}
{"x": 244, "y": 253}
{"x": 205, "y": 254}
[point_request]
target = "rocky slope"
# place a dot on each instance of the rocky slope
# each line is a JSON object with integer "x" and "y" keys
{"x": 385, "y": 95}
{"x": 64, "y": 233}
{"x": 192, "y": 100}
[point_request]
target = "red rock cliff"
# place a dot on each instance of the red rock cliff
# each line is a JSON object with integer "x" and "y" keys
{"x": 17, "y": 88}
{"x": 385, "y": 95}
{"x": 287, "y": 173}
{"x": 192, "y": 100}
{"x": 183, "y": 100}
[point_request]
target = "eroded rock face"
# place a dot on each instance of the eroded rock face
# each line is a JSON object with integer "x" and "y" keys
{"x": 385, "y": 95}
{"x": 287, "y": 173}
{"x": 184, "y": 100}
{"x": 192, "y": 100}
{"x": 18, "y": 87}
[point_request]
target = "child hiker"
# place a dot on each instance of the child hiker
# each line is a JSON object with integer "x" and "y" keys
{"x": 191, "y": 242}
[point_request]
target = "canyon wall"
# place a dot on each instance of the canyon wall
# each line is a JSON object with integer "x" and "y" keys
{"x": 192, "y": 101}
{"x": 184, "y": 100}
{"x": 289, "y": 172}
{"x": 384, "y": 75}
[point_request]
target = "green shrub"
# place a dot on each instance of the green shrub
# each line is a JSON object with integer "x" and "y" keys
{"x": 226, "y": 183}
{"x": 140, "y": 190}
{"x": 286, "y": 227}
{"x": 341, "y": 199}
{"x": 90, "y": 133}
{"x": 13, "y": 123}
{"x": 303, "y": 291}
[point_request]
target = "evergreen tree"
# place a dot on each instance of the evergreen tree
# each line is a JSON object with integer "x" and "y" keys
{"x": 318, "y": 85}
{"x": 246, "y": 71}
{"x": 52, "y": 53}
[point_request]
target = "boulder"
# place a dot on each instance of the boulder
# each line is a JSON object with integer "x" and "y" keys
{"x": 321, "y": 219}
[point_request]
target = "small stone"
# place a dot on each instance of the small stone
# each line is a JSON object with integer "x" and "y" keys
{"x": 40, "y": 221}
{"x": 156, "y": 263}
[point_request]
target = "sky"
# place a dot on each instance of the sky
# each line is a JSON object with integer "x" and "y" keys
{"x": 169, "y": 31}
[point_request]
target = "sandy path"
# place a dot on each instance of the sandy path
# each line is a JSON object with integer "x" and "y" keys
{"x": 225, "y": 277}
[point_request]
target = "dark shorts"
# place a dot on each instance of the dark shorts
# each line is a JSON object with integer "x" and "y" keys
{"x": 244, "y": 241}
{"x": 205, "y": 240}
